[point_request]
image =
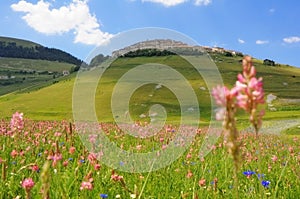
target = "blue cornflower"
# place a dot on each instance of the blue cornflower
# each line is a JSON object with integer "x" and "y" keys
{"x": 265, "y": 183}
{"x": 70, "y": 159}
{"x": 82, "y": 161}
{"x": 61, "y": 144}
{"x": 248, "y": 173}
{"x": 102, "y": 195}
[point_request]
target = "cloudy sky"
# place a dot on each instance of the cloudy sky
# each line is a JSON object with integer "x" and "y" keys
{"x": 263, "y": 29}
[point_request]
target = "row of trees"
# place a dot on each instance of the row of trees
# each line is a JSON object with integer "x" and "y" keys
{"x": 148, "y": 53}
{"x": 11, "y": 49}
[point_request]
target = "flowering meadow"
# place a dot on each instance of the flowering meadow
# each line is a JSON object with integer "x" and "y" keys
{"x": 48, "y": 160}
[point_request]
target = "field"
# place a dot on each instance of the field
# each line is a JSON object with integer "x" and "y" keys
{"x": 23, "y": 74}
{"x": 53, "y": 156}
{"x": 281, "y": 81}
{"x": 46, "y": 154}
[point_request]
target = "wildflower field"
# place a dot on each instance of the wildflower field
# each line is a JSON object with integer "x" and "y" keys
{"x": 48, "y": 160}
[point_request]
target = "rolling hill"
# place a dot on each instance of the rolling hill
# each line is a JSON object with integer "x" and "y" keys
{"x": 25, "y": 64}
{"x": 54, "y": 102}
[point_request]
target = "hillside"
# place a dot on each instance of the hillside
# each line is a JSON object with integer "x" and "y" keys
{"x": 15, "y": 48}
{"x": 55, "y": 102}
{"x": 25, "y": 64}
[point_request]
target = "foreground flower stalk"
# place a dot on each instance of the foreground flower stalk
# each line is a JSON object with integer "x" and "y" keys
{"x": 250, "y": 93}
{"x": 247, "y": 94}
{"x": 28, "y": 184}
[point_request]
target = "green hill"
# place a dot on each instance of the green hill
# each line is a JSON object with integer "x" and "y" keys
{"x": 25, "y": 64}
{"x": 16, "y": 48}
{"x": 55, "y": 102}
{"x": 18, "y": 42}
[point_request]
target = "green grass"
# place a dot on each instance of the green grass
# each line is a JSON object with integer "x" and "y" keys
{"x": 19, "y": 42}
{"x": 295, "y": 130}
{"x": 29, "y": 73}
{"x": 55, "y": 101}
{"x": 17, "y": 64}
{"x": 38, "y": 141}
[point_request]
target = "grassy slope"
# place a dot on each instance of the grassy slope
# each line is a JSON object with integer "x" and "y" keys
{"x": 19, "y": 42}
{"x": 55, "y": 102}
{"x": 23, "y": 69}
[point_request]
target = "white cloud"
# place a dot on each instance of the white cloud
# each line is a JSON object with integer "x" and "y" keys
{"x": 202, "y": 2}
{"x": 261, "y": 42}
{"x": 169, "y": 3}
{"x": 291, "y": 40}
{"x": 76, "y": 16}
{"x": 241, "y": 41}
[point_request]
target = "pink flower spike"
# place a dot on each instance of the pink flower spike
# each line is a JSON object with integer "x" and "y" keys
{"x": 86, "y": 185}
{"x": 27, "y": 184}
{"x": 241, "y": 78}
{"x": 252, "y": 71}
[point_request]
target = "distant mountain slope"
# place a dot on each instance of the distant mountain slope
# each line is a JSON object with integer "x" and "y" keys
{"x": 17, "y": 48}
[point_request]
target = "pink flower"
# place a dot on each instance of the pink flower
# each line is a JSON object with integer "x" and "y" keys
{"x": 57, "y": 134}
{"x": 27, "y": 184}
{"x": 56, "y": 158}
{"x": 202, "y": 182}
{"x": 92, "y": 158}
{"x": 72, "y": 150}
{"x": 116, "y": 177}
{"x": 189, "y": 174}
{"x": 97, "y": 167}
{"x": 16, "y": 122}
{"x": 274, "y": 158}
{"x": 65, "y": 163}
{"x": 86, "y": 185}
{"x": 35, "y": 168}
{"x": 188, "y": 156}
{"x": 14, "y": 153}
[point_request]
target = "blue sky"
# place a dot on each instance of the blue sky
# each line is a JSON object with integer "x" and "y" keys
{"x": 261, "y": 28}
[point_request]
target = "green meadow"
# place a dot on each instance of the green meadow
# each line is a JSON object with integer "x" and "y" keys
{"x": 54, "y": 101}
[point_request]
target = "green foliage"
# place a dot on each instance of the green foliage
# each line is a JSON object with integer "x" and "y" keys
{"x": 148, "y": 53}
{"x": 14, "y": 49}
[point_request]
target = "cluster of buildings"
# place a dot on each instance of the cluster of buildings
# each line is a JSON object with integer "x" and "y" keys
{"x": 168, "y": 44}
